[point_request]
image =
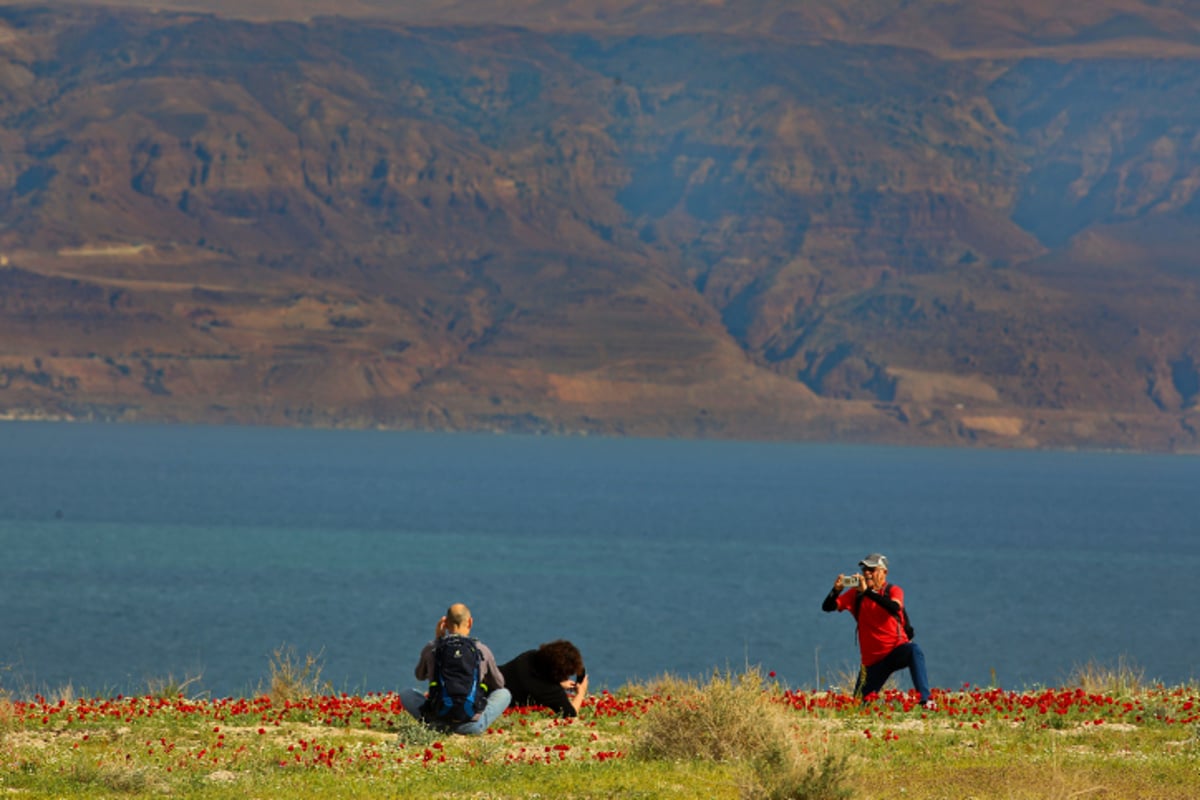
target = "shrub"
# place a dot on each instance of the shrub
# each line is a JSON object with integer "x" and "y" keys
{"x": 118, "y": 778}
{"x": 796, "y": 781}
{"x": 734, "y": 719}
{"x": 728, "y": 719}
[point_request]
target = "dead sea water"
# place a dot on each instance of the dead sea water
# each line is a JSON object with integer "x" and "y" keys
{"x": 134, "y": 552}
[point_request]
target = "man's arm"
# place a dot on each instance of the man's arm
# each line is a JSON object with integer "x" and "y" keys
{"x": 577, "y": 697}
{"x": 493, "y": 678}
{"x": 424, "y": 670}
{"x": 889, "y": 604}
{"x": 830, "y": 603}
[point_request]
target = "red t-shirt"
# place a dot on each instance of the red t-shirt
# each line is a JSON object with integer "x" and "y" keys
{"x": 879, "y": 633}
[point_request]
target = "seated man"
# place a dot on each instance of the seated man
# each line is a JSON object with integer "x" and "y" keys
{"x": 466, "y": 689}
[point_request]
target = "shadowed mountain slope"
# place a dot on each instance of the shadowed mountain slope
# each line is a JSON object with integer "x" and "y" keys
{"x": 942, "y": 223}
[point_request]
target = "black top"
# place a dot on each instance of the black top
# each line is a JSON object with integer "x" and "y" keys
{"x": 531, "y": 685}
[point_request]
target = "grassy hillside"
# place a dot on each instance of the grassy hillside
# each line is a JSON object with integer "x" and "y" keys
{"x": 734, "y": 736}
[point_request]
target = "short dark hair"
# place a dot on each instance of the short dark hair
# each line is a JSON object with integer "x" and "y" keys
{"x": 560, "y": 659}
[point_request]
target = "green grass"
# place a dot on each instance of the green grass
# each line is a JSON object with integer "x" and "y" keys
{"x": 731, "y": 736}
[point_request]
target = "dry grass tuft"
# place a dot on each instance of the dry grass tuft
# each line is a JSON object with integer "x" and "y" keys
{"x": 63, "y": 694}
{"x": 7, "y": 713}
{"x": 1124, "y": 680}
{"x": 295, "y": 679}
{"x": 170, "y": 687}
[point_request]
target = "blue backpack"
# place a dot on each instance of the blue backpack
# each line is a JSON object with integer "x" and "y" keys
{"x": 455, "y": 693}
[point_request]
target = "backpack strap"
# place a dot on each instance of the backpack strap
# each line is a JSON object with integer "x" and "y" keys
{"x": 901, "y": 617}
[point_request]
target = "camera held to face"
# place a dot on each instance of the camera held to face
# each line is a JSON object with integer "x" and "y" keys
{"x": 850, "y": 582}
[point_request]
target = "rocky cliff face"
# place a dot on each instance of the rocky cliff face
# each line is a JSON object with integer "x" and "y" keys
{"x": 947, "y": 223}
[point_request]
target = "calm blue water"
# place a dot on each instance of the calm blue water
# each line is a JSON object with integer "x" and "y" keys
{"x": 135, "y": 552}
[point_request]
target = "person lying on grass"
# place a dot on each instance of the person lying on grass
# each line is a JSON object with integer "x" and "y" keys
{"x": 552, "y": 676}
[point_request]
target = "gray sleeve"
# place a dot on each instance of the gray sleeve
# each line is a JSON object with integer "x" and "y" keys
{"x": 492, "y": 676}
{"x": 424, "y": 670}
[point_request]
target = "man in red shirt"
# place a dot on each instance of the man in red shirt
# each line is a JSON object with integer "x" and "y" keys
{"x": 878, "y": 608}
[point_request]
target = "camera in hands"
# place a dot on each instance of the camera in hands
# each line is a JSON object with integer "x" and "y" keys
{"x": 850, "y": 582}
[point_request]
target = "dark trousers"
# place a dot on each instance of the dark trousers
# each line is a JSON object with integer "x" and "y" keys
{"x": 871, "y": 679}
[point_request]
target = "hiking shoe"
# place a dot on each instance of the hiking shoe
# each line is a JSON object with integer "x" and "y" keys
{"x": 929, "y": 705}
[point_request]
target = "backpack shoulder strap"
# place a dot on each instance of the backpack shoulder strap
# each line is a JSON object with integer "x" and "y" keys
{"x": 902, "y": 618}
{"x": 899, "y": 617}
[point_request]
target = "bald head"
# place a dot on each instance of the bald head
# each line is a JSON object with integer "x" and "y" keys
{"x": 458, "y": 618}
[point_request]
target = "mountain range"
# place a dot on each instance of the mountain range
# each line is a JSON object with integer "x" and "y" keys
{"x": 931, "y": 222}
